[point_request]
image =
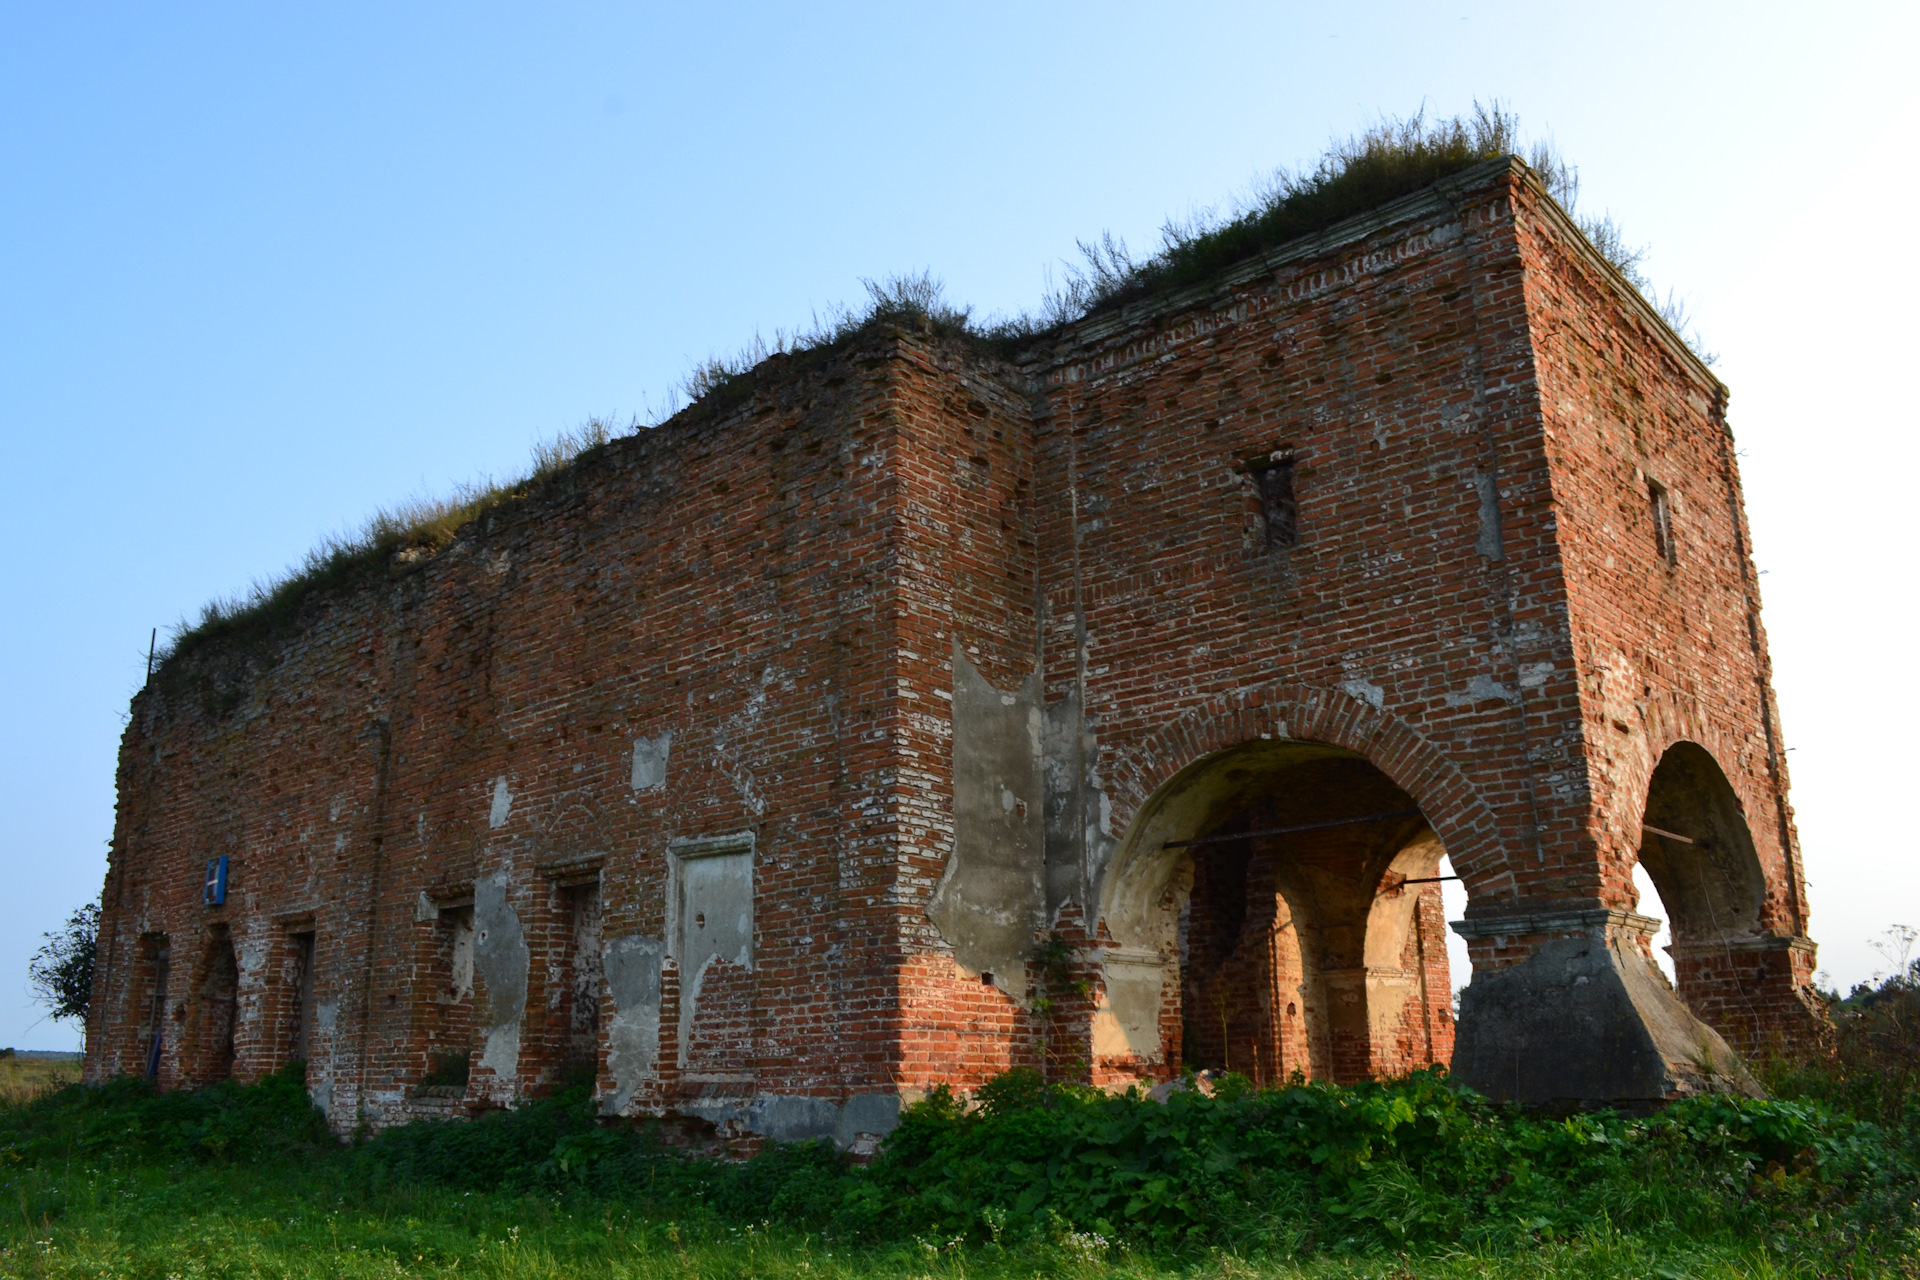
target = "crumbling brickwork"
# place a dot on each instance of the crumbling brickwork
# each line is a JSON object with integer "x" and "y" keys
{"x": 928, "y": 712}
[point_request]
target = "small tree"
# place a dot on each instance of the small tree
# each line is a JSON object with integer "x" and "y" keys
{"x": 61, "y": 972}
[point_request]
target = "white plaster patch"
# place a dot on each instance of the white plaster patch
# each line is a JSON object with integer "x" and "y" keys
{"x": 1482, "y": 689}
{"x": 1366, "y": 691}
{"x": 1126, "y": 1024}
{"x": 501, "y": 958}
{"x": 650, "y": 761}
{"x": 502, "y": 804}
{"x": 632, "y": 966}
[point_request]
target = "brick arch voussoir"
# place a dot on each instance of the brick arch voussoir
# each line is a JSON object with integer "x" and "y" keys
{"x": 1669, "y": 722}
{"x": 1451, "y": 803}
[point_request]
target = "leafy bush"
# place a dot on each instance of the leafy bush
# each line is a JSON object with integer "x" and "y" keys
{"x": 1870, "y": 1069}
{"x": 1416, "y": 1162}
{"x": 1412, "y": 1164}
{"x": 128, "y": 1121}
{"x": 61, "y": 971}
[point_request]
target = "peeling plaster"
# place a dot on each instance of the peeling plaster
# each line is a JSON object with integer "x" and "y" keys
{"x": 1366, "y": 691}
{"x": 991, "y": 900}
{"x": 1488, "y": 543}
{"x": 710, "y": 913}
{"x": 1126, "y": 1022}
{"x": 650, "y": 762}
{"x": 500, "y": 957}
{"x": 1482, "y": 688}
{"x": 633, "y": 1036}
{"x": 502, "y": 804}
{"x": 858, "y": 1121}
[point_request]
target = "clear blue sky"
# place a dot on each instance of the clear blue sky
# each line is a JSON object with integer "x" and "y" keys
{"x": 265, "y": 268}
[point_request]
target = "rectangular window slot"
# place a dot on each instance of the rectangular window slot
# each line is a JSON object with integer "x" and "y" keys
{"x": 302, "y": 947}
{"x": 1273, "y": 475}
{"x": 1662, "y": 508}
{"x": 155, "y": 955}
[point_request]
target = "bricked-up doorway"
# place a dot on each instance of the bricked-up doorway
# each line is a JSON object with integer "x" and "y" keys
{"x": 300, "y": 949}
{"x": 1284, "y": 909}
{"x": 579, "y": 986}
{"x": 450, "y": 1039}
{"x": 1699, "y": 853}
{"x": 214, "y": 1016}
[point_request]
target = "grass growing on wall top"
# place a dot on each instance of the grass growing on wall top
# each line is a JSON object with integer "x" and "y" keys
{"x": 1385, "y": 162}
{"x": 394, "y": 541}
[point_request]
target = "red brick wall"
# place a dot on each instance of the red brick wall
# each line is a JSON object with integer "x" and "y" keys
{"x": 722, "y": 580}
{"x": 782, "y": 586}
{"x": 1668, "y": 650}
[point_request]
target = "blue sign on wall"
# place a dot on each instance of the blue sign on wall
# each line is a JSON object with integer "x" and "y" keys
{"x": 216, "y": 893}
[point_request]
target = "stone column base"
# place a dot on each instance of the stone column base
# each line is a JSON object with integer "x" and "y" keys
{"x": 1585, "y": 1020}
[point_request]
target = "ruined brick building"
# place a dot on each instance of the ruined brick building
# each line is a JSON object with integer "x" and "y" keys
{"x": 1108, "y": 708}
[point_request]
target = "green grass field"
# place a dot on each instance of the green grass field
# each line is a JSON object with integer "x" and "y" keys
{"x": 238, "y": 1223}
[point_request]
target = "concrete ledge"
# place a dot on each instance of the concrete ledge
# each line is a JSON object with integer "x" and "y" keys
{"x": 1586, "y": 921}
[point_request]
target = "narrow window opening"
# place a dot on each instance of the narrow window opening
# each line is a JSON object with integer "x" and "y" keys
{"x": 1274, "y": 477}
{"x": 1662, "y": 508}
{"x": 153, "y": 1029}
{"x": 302, "y": 995}
{"x": 588, "y": 982}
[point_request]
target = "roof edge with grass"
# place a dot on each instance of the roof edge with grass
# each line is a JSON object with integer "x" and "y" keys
{"x": 1282, "y": 218}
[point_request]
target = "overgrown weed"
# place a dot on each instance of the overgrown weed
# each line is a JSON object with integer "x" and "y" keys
{"x": 1408, "y": 1177}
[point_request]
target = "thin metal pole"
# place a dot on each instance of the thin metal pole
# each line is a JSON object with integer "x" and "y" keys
{"x": 152, "y": 640}
{"x": 1287, "y": 831}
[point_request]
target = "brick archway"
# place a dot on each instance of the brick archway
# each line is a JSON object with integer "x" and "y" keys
{"x": 1319, "y": 1002}
{"x": 1669, "y": 721}
{"x": 1286, "y": 711}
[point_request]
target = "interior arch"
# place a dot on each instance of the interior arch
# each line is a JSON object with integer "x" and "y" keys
{"x": 1697, "y": 850}
{"x": 1271, "y": 877}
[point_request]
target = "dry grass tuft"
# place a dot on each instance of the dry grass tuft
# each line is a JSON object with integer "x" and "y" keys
{"x": 25, "y": 1076}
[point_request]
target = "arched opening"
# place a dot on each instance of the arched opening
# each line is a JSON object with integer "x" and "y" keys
{"x": 1291, "y": 890}
{"x": 1696, "y": 850}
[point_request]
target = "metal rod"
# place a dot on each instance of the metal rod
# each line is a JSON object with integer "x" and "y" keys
{"x": 152, "y": 640}
{"x": 1287, "y": 831}
{"x": 1429, "y": 880}
{"x": 1670, "y": 835}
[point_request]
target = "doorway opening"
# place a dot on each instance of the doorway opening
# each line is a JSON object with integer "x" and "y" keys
{"x": 300, "y": 959}
{"x": 1304, "y": 918}
{"x": 151, "y": 993}
{"x": 217, "y": 1009}
{"x": 1696, "y": 851}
